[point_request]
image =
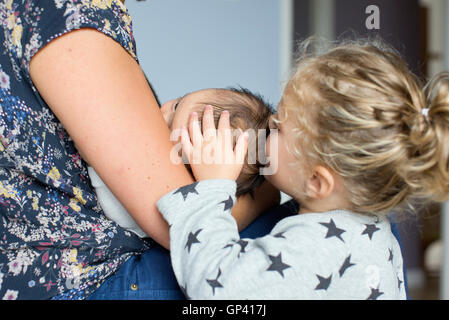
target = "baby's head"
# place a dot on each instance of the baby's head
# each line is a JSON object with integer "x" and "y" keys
{"x": 359, "y": 112}
{"x": 246, "y": 110}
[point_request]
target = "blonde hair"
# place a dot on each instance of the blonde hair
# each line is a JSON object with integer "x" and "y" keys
{"x": 358, "y": 110}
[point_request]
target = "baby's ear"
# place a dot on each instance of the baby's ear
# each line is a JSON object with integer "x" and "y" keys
{"x": 321, "y": 183}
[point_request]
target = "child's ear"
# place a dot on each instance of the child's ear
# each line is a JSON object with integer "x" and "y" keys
{"x": 321, "y": 183}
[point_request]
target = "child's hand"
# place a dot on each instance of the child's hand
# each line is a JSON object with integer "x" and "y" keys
{"x": 210, "y": 154}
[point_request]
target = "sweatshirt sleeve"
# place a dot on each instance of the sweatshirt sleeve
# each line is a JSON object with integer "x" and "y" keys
{"x": 209, "y": 259}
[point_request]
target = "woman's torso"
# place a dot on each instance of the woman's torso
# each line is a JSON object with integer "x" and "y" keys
{"x": 54, "y": 235}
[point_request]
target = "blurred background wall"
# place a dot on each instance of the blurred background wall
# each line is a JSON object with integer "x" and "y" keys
{"x": 189, "y": 45}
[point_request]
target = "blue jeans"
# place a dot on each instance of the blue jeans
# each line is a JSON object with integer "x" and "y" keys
{"x": 150, "y": 276}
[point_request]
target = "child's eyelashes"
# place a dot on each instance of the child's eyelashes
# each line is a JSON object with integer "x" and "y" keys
{"x": 176, "y": 105}
{"x": 178, "y": 101}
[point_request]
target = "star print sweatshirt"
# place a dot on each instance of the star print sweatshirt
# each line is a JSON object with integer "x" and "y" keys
{"x": 331, "y": 255}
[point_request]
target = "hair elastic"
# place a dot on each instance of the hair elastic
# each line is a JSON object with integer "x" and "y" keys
{"x": 425, "y": 113}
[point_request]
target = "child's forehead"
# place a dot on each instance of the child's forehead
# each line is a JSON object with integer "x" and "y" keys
{"x": 216, "y": 97}
{"x": 196, "y": 98}
{"x": 211, "y": 92}
{"x": 195, "y": 94}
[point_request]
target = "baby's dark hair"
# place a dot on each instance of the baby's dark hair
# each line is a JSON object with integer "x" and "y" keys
{"x": 247, "y": 110}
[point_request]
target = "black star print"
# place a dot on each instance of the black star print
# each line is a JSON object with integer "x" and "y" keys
{"x": 324, "y": 283}
{"x": 279, "y": 235}
{"x": 229, "y": 245}
{"x": 391, "y": 255}
{"x": 228, "y": 203}
{"x": 277, "y": 264}
{"x": 399, "y": 283}
{"x": 347, "y": 264}
{"x": 333, "y": 231}
{"x": 214, "y": 282}
{"x": 192, "y": 239}
{"x": 242, "y": 244}
{"x": 186, "y": 190}
{"x": 184, "y": 291}
{"x": 375, "y": 293}
{"x": 370, "y": 229}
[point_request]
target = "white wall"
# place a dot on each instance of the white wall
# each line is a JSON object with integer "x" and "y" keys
{"x": 184, "y": 46}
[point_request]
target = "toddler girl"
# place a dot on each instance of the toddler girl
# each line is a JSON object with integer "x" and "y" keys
{"x": 357, "y": 138}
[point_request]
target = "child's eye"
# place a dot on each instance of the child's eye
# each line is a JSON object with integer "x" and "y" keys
{"x": 175, "y": 105}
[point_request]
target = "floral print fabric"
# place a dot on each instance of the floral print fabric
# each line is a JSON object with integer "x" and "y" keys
{"x": 54, "y": 237}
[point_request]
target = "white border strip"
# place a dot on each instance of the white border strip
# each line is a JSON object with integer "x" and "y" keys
{"x": 287, "y": 39}
{"x": 322, "y": 13}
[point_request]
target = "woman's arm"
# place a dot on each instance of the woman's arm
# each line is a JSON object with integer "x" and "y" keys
{"x": 105, "y": 104}
{"x": 100, "y": 95}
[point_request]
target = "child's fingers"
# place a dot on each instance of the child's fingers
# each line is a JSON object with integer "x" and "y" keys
{"x": 224, "y": 127}
{"x": 223, "y": 122}
{"x": 194, "y": 130}
{"x": 241, "y": 148}
{"x": 187, "y": 147}
{"x": 225, "y": 138}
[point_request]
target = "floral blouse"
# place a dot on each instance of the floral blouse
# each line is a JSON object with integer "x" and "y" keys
{"x": 54, "y": 238}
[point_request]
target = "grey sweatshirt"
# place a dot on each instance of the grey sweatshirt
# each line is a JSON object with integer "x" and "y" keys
{"x": 331, "y": 255}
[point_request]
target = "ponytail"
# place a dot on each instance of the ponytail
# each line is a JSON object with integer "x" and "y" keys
{"x": 358, "y": 110}
{"x": 433, "y": 158}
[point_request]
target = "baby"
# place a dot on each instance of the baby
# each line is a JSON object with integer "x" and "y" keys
{"x": 357, "y": 138}
{"x": 247, "y": 110}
